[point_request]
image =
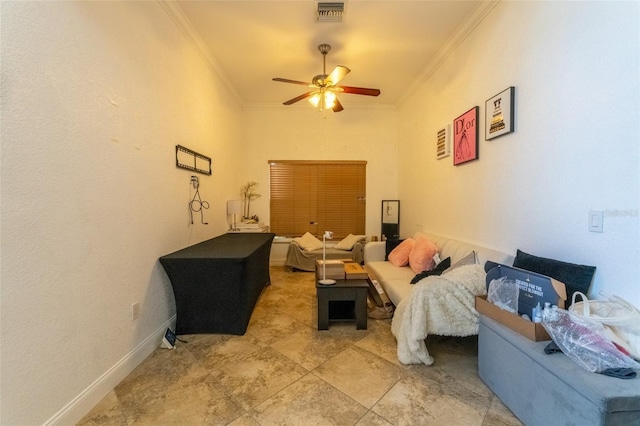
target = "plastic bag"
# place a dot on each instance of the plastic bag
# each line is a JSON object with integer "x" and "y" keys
{"x": 504, "y": 294}
{"x": 585, "y": 342}
{"x": 627, "y": 338}
{"x": 620, "y": 319}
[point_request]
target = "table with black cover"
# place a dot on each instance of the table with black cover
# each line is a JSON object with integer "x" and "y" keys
{"x": 217, "y": 282}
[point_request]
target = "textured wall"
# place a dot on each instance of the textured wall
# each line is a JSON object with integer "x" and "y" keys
{"x": 95, "y": 96}
{"x": 302, "y": 133}
{"x": 575, "y": 66}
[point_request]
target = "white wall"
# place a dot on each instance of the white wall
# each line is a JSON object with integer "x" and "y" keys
{"x": 303, "y": 133}
{"x": 575, "y": 66}
{"x": 95, "y": 96}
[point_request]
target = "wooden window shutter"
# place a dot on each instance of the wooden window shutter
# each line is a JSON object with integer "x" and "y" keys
{"x": 315, "y": 196}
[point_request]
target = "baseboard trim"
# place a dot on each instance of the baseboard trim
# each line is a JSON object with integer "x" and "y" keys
{"x": 76, "y": 409}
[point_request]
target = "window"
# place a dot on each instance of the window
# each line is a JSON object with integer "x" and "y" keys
{"x": 317, "y": 196}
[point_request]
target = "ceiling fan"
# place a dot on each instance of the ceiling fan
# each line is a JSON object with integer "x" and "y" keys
{"x": 323, "y": 95}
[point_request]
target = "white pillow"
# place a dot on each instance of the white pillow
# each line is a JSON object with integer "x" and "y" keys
{"x": 308, "y": 242}
{"x": 349, "y": 241}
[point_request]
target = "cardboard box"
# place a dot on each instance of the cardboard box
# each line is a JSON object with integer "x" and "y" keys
{"x": 333, "y": 268}
{"x": 531, "y": 330}
{"x": 534, "y": 288}
{"x": 378, "y": 294}
{"x": 353, "y": 271}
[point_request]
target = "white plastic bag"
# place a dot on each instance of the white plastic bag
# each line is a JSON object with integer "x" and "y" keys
{"x": 614, "y": 312}
{"x": 621, "y": 320}
{"x": 504, "y": 294}
{"x": 626, "y": 338}
{"x": 585, "y": 342}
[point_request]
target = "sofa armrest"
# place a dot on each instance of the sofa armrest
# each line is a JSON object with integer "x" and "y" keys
{"x": 374, "y": 251}
{"x": 357, "y": 252}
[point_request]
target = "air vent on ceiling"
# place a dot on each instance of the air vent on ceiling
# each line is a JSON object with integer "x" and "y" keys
{"x": 329, "y": 11}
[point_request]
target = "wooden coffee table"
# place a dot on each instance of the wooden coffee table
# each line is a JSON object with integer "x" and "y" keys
{"x": 346, "y": 300}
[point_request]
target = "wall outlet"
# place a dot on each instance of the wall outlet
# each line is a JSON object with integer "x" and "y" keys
{"x": 135, "y": 310}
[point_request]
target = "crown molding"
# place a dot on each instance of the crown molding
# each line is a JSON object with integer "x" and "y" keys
{"x": 307, "y": 106}
{"x": 184, "y": 25}
{"x": 467, "y": 27}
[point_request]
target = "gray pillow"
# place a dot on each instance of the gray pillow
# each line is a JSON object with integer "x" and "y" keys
{"x": 469, "y": 259}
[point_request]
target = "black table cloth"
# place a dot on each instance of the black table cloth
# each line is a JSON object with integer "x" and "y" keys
{"x": 217, "y": 282}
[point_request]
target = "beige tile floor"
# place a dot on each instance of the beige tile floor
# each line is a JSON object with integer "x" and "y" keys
{"x": 284, "y": 371}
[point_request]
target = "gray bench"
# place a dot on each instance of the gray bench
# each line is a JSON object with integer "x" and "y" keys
{"x": 543, "y": 389}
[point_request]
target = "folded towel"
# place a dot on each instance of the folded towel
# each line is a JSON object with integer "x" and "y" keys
{"x": 620, "y": 373}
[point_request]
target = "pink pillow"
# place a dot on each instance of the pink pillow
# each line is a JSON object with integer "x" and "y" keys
{"x": 399, "y": 256}
{"x": 421, "y": 257}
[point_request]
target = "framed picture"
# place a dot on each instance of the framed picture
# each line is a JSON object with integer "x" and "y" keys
{"x": 390, "y": 219}
{"x": 465, "y": 137}
{"x": 191, "y": 160}
{"x": 443, "y": 142}
{"x": 499, "y": 114}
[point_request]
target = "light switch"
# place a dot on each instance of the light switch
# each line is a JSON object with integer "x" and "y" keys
{"x": 596, "y": 219}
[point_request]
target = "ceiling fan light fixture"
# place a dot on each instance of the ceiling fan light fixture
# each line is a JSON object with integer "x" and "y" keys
{"x": 329, "y": 99}
{"x": 315, "y": 99}
{"x": 326, "y": 84}
{"x": 323, "y": 100}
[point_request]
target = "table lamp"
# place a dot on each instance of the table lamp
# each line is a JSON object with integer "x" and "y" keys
{"x": 234, "y": 207}
{"x": 324, "y": 281}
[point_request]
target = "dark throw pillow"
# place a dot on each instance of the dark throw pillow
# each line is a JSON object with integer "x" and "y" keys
{"x": 439, "y": 269}
{"x": 575, "y": 277}
{"x": 391, "y": 244}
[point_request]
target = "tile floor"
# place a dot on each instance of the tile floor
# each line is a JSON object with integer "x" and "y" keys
{"x": 284, "y": 371}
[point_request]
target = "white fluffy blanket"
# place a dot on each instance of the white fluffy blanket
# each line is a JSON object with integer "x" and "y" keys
{"x": 442, "y": 305}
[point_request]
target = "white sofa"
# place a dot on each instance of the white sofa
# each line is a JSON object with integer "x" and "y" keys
{"x": 442, "y": 305}
{"x": 396, "y": 281}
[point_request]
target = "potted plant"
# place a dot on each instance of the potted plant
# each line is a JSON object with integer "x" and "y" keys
{"x": 249, "y": 193}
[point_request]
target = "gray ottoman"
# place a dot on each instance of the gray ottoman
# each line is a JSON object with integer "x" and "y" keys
{"x": 543, "y": 389}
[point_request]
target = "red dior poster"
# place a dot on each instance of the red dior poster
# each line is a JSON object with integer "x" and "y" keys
{"x": 465, "y": 137}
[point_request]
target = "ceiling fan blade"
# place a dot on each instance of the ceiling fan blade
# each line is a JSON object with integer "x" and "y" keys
{"x": 337, "y": 74}
{"x": 358, "y": 90}
{"x": 286, "y": 80}
{"x": 337, "y": 106}
{"x": 298, "y": 98}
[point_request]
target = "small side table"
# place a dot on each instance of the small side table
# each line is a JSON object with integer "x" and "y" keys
{"x": 354, "y": 291}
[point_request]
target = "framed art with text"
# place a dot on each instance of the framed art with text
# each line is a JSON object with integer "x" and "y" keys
{"x": 465, "y": 137}
{"x": 499, "y": 114}
{"x": 443, "y": 142}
